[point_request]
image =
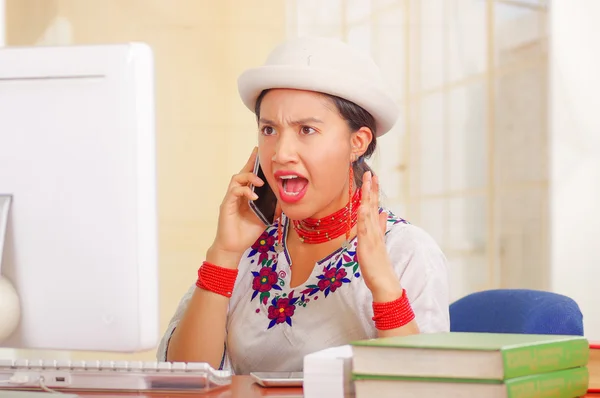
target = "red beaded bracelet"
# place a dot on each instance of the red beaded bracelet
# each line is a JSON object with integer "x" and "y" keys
{"x": 216, "y": 279}
{"x": 393, "y": 314}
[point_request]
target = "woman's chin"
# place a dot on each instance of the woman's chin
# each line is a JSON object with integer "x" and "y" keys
{"x": 296, "y": 211}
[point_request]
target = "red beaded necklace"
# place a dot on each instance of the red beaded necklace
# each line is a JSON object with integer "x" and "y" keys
{"x": 324, "y": 229}
{"x": 313, "y": 231}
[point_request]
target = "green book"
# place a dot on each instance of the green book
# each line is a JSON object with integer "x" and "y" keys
{"x": 490, "y": 356}
{"x": 567, "y": 383}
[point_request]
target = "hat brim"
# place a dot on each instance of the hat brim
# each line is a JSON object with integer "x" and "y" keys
{"x": 361, "y": 92}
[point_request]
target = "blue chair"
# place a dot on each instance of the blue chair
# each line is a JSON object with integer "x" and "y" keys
{"x": 516, "y": 311}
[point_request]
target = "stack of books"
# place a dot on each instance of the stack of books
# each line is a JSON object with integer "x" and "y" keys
{"x": 594, "y": 367}
{"x": 471, "y": 364}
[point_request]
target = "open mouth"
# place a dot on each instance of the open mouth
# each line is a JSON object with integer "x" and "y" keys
{"x": 292, "y": 186}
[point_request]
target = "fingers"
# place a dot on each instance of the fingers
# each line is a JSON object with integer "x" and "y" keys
{"x": 366, "y": 189}
{"x": 365, "y": 216}
{"x": 243, "y": 192}
{"x": 375, "y": 192}
{"x": 381, "y": 217}
{"x": 249, "y": 166}
{"x": 246, "y": 175}
{"x": 245, "y": 179}
{"x": 370, "y": 221}
{"x": 240, "y": 187}
{"x": 362, "y": 225}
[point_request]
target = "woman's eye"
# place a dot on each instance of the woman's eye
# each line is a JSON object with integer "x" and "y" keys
{"x": 268, "y": 130}
{"x": 308, "y": 130}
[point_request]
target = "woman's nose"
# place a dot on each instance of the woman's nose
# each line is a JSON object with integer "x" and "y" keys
{"x": 285, "y": 148}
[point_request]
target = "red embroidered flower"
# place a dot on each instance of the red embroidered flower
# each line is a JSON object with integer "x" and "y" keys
{"x": 282, "y": 310}
{"x": 332, "y": 279}
{"x": 329, "y": 280}
{"x": 264, "y": 245}
{"x": 265, "y": 279}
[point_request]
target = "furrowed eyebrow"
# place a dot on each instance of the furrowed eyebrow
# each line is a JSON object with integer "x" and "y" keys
{"x": 265, "y": 121}
{"x": 307, "y": 120}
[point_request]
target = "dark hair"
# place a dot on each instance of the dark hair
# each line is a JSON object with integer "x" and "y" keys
{"x": 356, "y": 117}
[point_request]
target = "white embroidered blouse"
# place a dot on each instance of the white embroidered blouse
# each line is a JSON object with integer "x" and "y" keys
{"x": 271, "y": 327}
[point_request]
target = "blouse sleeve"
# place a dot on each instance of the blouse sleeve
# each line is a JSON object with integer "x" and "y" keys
{"x": 423, "y": 272}
{"x": 161, "y": 353}
{"x": 163, "y": 346}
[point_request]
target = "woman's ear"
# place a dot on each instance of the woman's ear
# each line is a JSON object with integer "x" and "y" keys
{"x": 360, "y": 141}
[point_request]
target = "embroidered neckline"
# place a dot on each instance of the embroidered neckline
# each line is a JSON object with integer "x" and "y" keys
{"x": 269, "y": 281}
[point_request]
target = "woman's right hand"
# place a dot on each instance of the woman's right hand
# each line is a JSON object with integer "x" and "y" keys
{"x": 238, "y": 226}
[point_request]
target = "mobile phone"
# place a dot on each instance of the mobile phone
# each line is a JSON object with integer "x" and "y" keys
{"x": 278, "y": 379}
{"x": 264, "y": 207}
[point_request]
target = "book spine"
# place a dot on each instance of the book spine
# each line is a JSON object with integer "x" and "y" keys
{"x": 565, "y": 383}
{"x": 534, "y": 359}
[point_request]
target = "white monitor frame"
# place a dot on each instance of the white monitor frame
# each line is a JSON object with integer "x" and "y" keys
{"x": 77, "y": 154}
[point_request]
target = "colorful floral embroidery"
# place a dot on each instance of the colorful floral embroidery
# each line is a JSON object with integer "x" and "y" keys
{"x": 334, "y": 277}
{"x": 264, "y": 245}
{"x": 267, "y": 278}
{"x": 394, "y": 220}
{"x": 264, "y": 279}
{"x": 282, "y": 309}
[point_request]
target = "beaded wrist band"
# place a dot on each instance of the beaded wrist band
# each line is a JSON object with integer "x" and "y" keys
{"x": 393, "y": 314}
{"x": 216, "y": 279}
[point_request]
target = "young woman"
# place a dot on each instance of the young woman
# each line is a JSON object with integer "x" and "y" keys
{"x": 334, "y": 267}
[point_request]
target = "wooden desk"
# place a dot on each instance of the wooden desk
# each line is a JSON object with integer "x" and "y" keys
{"x": 241, "y": 387}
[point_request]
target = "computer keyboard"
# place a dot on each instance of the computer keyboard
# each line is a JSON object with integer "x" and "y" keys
{"x": 110, "y": 375}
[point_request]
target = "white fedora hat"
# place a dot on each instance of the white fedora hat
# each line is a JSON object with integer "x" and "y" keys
{"x": 327, "y": 66}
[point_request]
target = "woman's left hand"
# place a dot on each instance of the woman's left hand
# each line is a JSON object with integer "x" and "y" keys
{"x": 375, "y": 264}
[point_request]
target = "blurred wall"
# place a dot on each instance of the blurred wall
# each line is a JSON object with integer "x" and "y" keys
{"x": 468, "y": 160}
{"x": 497, "y": 153}
{"x": 204, "y": 132}
{"x": 575, "y": 156}
{"x": 2, "y": 23}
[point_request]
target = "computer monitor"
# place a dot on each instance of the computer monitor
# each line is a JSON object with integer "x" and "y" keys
{"x": 77, "y": 159}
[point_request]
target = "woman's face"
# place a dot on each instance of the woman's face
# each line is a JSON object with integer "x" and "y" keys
{"x": 305, "y": 150}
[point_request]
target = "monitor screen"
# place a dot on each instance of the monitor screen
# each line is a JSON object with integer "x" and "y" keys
{"x": 77, "y": 159}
